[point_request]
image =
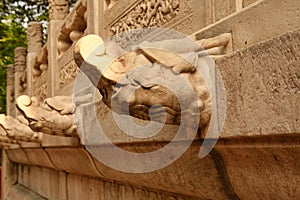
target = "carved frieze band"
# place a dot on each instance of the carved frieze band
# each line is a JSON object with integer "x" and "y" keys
{"x": 67, "y": 74}
{"x": 175, "y": 14}
{"x": 147, "y": 14}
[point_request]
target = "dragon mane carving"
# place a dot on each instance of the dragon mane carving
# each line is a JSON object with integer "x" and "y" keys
{"x": 52, "y": 116}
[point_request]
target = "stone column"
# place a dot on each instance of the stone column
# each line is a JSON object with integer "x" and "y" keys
{"x": 35, "y": 42}
{"x": 58, "y": 10}
{"x": 20, "y": 67}
{"x": 94, "y": 17}
{"x": 10, "y": 96}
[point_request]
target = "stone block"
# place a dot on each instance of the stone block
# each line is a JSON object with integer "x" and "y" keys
{"x": 262, "y": 88}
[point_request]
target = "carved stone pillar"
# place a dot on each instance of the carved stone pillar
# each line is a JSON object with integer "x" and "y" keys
{"x": 20, "y": 84}
{"x": 20, "y": 71}
{"x": 58, "y": 10}
{"x": 35, "y": 43}
{"x": 10, "y": 96}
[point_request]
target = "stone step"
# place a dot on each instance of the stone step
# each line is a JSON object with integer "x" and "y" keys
{"x": 256, "y": 22}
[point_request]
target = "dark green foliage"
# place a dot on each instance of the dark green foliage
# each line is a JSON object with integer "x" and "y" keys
{"x": 12, "y": 35}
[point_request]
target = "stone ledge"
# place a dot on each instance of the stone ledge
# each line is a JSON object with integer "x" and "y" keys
{"x": 220, "y": 175}
{"x": 257, "y": 22}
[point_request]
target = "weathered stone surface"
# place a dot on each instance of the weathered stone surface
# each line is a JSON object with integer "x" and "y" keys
{"x": 262, "y": 87}
{"x": 263, "y": 169}
{"x": 18, "y": 156}
{"x": 257, "y": 22}
{"x": 38, "y": 157}
{"x": 34, "y": 178}
{"x": 20, "y": 192}
{"x": 9, "y": 174}
{"x": 257, "y": 155}
{"x": 189, "y": 175}
{"x": 67, "y": 158}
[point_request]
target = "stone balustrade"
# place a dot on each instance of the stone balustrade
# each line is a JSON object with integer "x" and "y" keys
{"x": 256, "y": 155}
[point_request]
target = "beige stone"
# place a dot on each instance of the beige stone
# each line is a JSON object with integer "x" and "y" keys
{"x": 65, "y": 159}
{"x": 38, "y": 157}
{"x": 33, "y": 178}
{"x": 257, "y": 22}
{"x": 10, "y": 92}
{"x": 20, "y": 71}
{"x": 255, "y": 44}
{"x": 17, "y": 130}
{"x": 273, "y": 168}
{"x": 90, "y": 52}
{"x": 54, "y": 116}
{"x": 259, "y": 100}
{"x": 22, "y": 193}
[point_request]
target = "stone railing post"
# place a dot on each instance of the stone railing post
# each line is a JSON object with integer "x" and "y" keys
{"x": 10, "y": 96}
{"x": 20, "y": 68}
{"x": 58, "y": 10}
{"x": 20, "y": 73}
{"x": 95, "y": 16}
{"x": 35, "y": 42}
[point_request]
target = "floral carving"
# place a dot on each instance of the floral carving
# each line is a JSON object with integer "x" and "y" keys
{"x": 67, "y": 74}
